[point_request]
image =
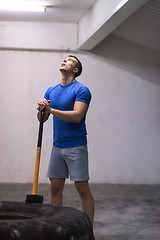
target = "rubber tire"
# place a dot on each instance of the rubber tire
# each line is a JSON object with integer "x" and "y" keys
{"x": 36, "y": 221}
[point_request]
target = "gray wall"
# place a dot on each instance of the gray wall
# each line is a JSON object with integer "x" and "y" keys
{"x": 123, "y": 119}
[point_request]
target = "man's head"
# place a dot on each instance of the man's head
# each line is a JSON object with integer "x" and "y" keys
{"x": 78, "y": 65}
{"x": 72, "y": 63}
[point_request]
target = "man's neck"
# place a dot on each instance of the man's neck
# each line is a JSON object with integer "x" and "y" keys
{"x": 67, "y": 80}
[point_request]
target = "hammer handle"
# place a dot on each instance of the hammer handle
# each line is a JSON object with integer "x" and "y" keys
{"x": 38, "y": 154}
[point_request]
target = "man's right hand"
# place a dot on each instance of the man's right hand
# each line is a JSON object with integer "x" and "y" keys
{"x": 42, "y": 104}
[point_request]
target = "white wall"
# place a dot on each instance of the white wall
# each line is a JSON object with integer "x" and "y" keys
{"x": 38, "y": 35}
{"x": 123, "y": 119}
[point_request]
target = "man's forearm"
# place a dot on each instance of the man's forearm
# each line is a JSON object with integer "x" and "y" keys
{"x": 68, "y": 116}
{"x": 74, "y": 116}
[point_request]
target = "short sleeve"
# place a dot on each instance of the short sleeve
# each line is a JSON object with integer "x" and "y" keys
{"x": 83, "y": 95}
{"x": 46, "y": 95}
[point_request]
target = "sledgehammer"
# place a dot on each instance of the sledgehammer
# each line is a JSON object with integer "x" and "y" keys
{"x": 34, "y": 198}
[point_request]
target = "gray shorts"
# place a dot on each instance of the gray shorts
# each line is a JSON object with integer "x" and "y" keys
{"x": 65, "y": 162}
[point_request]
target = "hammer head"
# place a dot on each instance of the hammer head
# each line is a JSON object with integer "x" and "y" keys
{"x": 33, "y": 198}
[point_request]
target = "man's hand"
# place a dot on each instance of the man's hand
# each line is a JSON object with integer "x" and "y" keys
{"x": 42, "y": 104}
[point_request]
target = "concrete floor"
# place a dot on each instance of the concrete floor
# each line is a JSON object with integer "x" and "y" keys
{"x": 122, "y": 212}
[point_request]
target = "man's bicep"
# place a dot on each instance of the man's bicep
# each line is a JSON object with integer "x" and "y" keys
{"x": 81, "y": 108}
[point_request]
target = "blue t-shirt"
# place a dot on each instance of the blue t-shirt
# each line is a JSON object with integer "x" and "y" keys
{"x": 67, "y": 134}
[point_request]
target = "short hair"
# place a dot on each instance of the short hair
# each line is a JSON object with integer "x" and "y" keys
{"x": 78, "y": 65}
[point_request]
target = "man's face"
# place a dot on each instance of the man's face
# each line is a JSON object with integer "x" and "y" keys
{"x": 69, "y": 64}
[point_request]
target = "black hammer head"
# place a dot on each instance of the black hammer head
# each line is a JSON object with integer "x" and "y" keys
{"x": 33, "y": 198}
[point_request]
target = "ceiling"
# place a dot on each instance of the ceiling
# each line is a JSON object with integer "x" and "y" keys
{"x": 142, "y": 27}
{"x": 57, "y": 11}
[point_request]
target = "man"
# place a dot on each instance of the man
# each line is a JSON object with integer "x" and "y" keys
{"x": 68, "y": 102}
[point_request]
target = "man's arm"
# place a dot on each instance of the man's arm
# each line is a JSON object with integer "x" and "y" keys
{"x": 41, "y": 107}
{"x": 74, "y": 116}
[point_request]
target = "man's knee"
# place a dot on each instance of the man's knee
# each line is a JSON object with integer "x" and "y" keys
{"x": 57, "y": 186}
{"x": 82, "y": 188}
